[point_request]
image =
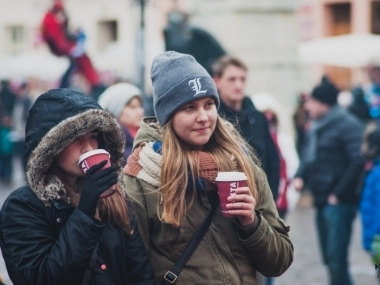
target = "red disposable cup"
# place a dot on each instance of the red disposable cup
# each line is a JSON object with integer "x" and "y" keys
{"x": 227, "y": 183}
{"x": 93, "y": 157}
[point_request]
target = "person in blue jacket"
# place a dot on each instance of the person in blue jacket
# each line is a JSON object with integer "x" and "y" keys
{"x": 370, "y": 200}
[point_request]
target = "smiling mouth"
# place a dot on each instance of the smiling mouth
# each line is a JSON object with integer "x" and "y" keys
{"x": 201, "y": 129}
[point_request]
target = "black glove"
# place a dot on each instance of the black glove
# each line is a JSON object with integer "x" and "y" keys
{"x": 94, "y": 184}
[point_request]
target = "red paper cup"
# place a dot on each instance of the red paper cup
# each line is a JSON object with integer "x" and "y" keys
{"x": 227, "y": 183}
{"x": 93, "y": 157}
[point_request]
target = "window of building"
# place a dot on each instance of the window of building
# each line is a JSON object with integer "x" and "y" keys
{"x": 16, "y": 34}
{"x": 341, "y": 19}
{"x": 375, "y": 19}
{"x": 15, "y": 39}
{"x": 107, "y": 33}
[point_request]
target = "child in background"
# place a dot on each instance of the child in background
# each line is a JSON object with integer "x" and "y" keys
{"x": 370, "y": 201}
{"x": 124, "y": 101}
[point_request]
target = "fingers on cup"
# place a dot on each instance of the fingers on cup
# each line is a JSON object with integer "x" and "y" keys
{"x": 108, "y": 180}
{"x": 97, "y": 167}
{"x": 105, "y": 172}
{"x": 241, "y": 198}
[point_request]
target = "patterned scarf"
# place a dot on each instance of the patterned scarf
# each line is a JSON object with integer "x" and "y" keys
{"x": 146, "y": 160}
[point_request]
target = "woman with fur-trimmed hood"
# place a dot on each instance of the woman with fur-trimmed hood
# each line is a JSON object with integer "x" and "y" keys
{"x": 56, "y": 230}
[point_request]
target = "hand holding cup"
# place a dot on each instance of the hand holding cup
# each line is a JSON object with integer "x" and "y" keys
{"x": 236, "y": 199}
{"x": 93, "y": 157}
{"x": 242, "y": 206}
{"x": 96, "y": 181}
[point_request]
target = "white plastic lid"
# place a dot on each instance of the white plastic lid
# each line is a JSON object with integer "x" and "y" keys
{"x": 231, "y": 176}
{"x": 91, "y": 153}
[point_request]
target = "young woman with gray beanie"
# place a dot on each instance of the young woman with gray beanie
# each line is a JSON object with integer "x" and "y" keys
{"x": 171, "y": 180}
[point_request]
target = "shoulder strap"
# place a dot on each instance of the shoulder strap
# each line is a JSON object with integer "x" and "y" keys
{"x": 171, "y": 276}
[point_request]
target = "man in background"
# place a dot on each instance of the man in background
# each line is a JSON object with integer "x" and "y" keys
{"x": 330, "y": 167}
{"x": 230, "y": 76}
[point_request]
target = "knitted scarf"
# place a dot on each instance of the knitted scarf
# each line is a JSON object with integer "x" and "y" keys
{"x": 146, "y": 160}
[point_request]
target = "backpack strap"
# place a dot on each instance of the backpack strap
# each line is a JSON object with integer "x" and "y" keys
{"x": 172, "y": 275}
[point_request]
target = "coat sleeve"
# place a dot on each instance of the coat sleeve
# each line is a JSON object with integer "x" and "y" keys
{"x": 269, "y": 246}
{"x": 34, "y": 252}
{"x": 139, "y": 268}
{"x": 137, "y": 197}
{"x": 351, "y": 137}
{"x": 271, "y": 162}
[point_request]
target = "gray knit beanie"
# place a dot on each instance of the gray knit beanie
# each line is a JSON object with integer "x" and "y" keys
{"x": 178, "y": 79}
{"x": 115, "y": 97}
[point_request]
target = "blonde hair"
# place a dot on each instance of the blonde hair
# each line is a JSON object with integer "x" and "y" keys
{"x": 114, "y": 209}
{"x": 224, "y": 144}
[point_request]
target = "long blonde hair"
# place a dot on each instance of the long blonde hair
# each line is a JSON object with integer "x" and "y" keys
{"x": 114, "y": 209}
{"x": 224, "y": 144}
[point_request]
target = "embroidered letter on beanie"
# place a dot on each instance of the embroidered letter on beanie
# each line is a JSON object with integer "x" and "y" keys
{"x": 197, "y": 86}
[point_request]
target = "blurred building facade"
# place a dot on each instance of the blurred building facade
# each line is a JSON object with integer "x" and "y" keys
{"x": 263, "y": 33}
{"x": 324, "y": 18}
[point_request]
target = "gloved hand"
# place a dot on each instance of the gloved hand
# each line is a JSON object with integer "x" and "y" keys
{"x": 95, "y": 182}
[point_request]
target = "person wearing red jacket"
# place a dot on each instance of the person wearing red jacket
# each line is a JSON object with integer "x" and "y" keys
{"x": 62, "y": 43}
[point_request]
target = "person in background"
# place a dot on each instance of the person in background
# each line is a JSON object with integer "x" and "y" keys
{"x": 230, "y": 76}
{"x": 330, "y": 168}
{"x": 62, "y": 42}
{"x": 124, "y": 101}
{"x": 20, "y": 113}
{"x": 289, "y": 161}
{"x": 301, "y": 123}
{"x": 171, "y": 177}
{"x": 56, "y": 229}
{"x": 287, "y": 196}
{"x": 372, "y": 92}
{"x": 370, "y": 198}
{"x": 7, "y": 102}
{"x": 7, "y": 98}
{"x": 6, "y": 150}
{"x": 359, "y": 106}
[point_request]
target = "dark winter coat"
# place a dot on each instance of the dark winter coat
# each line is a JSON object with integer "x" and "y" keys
{"x": 254, "y": 128}
{"x": 338, "y": 163}
{"x": 128, "y": 145}
{"x": 228, "y": 254}
{"x": 44, "y": 239}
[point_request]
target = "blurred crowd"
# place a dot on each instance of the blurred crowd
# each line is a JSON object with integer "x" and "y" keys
{"x": 292, "y": 162}
{"x": 332, "y": 149}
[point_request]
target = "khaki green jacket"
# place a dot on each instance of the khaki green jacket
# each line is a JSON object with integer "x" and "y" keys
{"x": 223, "y": 256}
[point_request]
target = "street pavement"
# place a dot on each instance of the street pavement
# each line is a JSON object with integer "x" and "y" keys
{"x": 307, "y": 268}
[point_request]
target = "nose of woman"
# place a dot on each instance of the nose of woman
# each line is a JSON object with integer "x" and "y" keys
{"x": 202, "y": 116}
{"x": 87, "y": 145}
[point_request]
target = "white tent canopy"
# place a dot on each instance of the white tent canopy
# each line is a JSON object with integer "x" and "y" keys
{"x": 351, "y": 50}
{"x": 44, "y": 66}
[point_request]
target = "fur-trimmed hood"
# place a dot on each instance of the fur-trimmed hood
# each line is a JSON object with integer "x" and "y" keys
{"x": 56, "y": 119}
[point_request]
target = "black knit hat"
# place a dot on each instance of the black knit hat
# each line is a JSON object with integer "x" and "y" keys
{"x": 326, "y": 93}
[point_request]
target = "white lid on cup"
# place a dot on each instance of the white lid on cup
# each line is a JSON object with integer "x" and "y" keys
{"x": 91, "y": 153}
{"x": 231, "y": 176}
